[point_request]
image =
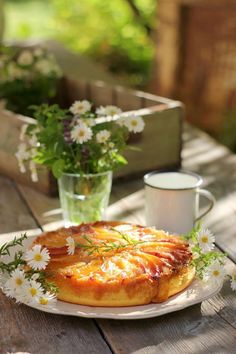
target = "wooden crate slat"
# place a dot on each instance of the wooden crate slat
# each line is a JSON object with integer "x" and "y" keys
{"x": 10, "y": 126}
{"x": 101, "y": 94}
{"x": 163, "y": 128}
{"x": 127, "y": 100}
{"x": 77, "y": 89}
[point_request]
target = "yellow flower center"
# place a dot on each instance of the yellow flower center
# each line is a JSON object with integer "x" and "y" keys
{"x": 134, "y": 123}
{"x": 216, "y": 273}
{"x": 33, "y": 291}
{"x": 204, "y": 239}
{"x": 82, "y": 133}
{"x": 19, "y": 281}
{"x": 234, "y": 277}
{"x": 38, "y": 257}
{"x": 43, "y": 301}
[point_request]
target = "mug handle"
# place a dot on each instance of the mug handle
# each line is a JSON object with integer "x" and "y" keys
{"x": 209, "y": 196}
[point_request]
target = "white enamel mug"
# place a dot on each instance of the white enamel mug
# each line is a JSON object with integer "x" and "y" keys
{"x": 172, "y": 200}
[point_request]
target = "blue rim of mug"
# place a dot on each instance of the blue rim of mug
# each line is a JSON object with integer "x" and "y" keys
{"x": 149, "y": 174}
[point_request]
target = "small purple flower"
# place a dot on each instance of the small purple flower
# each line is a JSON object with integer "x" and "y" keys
{"x": 85, "y": 153}
{"x": 67, "y": 130}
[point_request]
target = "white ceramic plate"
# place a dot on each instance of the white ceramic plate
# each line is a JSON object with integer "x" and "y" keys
{"x": 195, "y": 293}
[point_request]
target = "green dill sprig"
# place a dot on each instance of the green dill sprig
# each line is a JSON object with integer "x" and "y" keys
{"x": 18, "y": 256}
{"x": 19, "y": 262}
{"x": 5, "y": 248}
{"x": 202, "y": 260}
{"x": 192, "y": 235}
{"x": 99, "y": 248}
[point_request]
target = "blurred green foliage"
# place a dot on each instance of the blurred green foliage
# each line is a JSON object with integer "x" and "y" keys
{"x": 109, "y": 31}
{"x": 28, "y": 19}
{"x": 227, "y": 135}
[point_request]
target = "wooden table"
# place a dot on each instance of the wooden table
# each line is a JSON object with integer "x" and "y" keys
{"x": 209, "y": 327}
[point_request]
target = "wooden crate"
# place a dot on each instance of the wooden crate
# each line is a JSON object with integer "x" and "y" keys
{"x": 160, "y": 142}
{"x": 10, "y": 126}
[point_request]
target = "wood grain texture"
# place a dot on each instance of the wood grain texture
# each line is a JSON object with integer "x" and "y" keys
{"x": 23, "y": 329}
{"x": 14, "y": 215}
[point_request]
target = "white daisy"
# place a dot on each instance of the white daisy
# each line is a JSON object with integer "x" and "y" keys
{"x": 9, "y": 288}
{"x": 70, "y": 243}
{"x": 90, "y": 122}
{"x": 233, "y": 281}
{"x": 215, "y": 273}
{"x": 101, "y": 111}
{"x": 17, "y": 294}
{"x": 37, "y": 258}
{"x": 47, "y": 299}
{"x": 22, "y": 155}
{"x": 22, "y": 152}
{"x": 111, "y": 145}
{"x": 81, "y": 133}
{"x": 18, "y": 279}
{"x": 103, "y": 136}
{"x": 112, "y": 110}
{"x": 121, "y": 121}
{"x": 14, "y": 72}
{"x": 134, "y": 123}
{"x": 44, "y": 67}
{"x": 33, "y": 292}
{"x": 38, "y": 52}
{"x": 25, "y": 58}
{"x": 33, "y": 170}
{"x": 206, "y": 240}
{"x": 80, "y": 107}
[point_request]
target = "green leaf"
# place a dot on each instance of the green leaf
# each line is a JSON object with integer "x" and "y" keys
{"x": 57, "y": 168}
{"x": 121, "y": 160}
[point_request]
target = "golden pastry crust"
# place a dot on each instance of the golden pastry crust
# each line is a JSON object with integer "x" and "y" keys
{"x": 151, "y": 267}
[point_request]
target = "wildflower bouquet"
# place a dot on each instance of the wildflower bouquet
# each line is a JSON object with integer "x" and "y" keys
{"x": 78, "y": 140}
{"x": 27, "y": 77}
{"x": 208, "y": 262}
{"x": 23, "y": 276}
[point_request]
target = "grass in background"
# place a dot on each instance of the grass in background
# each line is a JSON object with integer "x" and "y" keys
{"x": 28, "y": 19}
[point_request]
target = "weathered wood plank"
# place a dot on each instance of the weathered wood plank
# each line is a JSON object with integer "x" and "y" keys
{"x": 188, "y": 331}
{"x": 76, "y": 90}
{"x": 14, "y": 215}
{"x": 23, "y": 329}
{"x": 127, "y": 100}
{"x": 46, "y": 210}
{"x": 10, "y": 127}
{"x": 164, "y": 153}
{"x": 27, "y": 330}
{"x": 101, "y": 94}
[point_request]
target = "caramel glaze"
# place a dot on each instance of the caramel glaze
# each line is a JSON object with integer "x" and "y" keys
{"x": 152, "y": 262}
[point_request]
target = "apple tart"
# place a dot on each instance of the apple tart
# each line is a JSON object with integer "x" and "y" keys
{"x": 117, "y": 264}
